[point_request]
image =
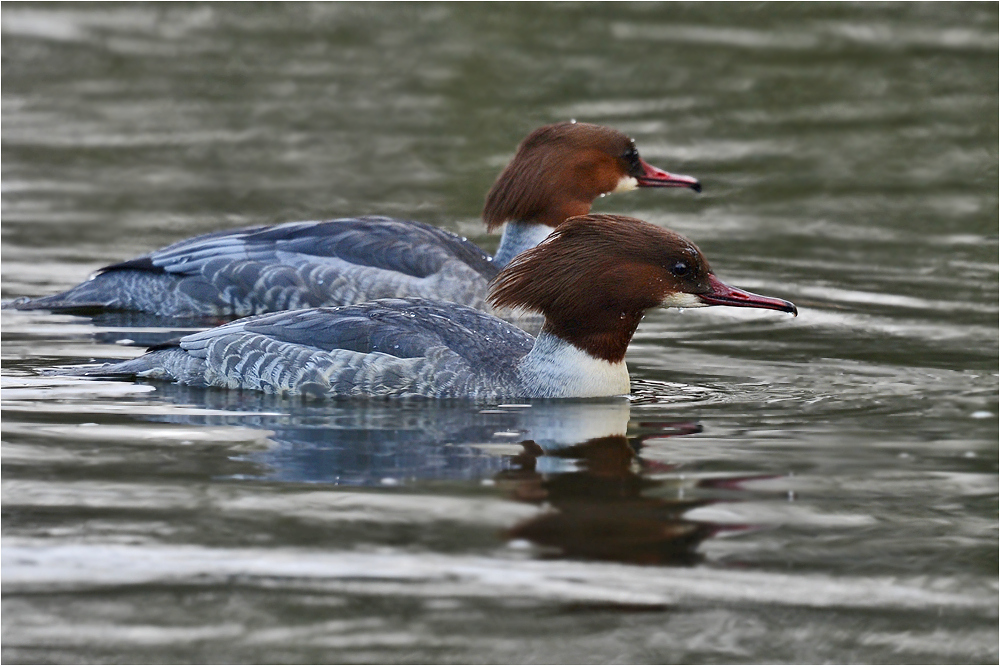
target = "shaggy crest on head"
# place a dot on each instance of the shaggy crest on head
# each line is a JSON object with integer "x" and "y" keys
{"x": 632, "y": 266}
{"x": 548, "y": 277}
{"x": 560, "y": 169}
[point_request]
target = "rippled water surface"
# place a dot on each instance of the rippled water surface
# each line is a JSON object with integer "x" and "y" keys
{"x": 795, "y": 490}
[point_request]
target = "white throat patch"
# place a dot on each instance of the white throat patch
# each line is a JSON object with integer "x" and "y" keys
{"x": 556, "y": 369}
{"x": 680, "y": 299}
{"x": 625, "y": 184}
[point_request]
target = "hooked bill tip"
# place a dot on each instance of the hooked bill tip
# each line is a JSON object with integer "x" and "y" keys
{"x": 722, "y": 294}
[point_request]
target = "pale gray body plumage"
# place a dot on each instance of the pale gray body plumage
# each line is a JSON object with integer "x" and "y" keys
{"x": 290, "y": 266}
{"x": 391, "y": 347}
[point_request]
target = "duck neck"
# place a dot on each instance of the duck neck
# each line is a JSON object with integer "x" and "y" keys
{"x": 555, "y": 368}
{"x": 518, "y": 237}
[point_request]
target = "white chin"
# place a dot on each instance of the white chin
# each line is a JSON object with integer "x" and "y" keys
{"x": 683, "y": 300}
{"x": 625, "y": 184}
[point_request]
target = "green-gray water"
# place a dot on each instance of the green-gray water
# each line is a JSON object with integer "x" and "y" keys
{"x": 818, "y": 489}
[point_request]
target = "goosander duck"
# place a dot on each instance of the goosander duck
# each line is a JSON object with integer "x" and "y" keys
{"x": 556, "y": 174}
{"x": 593, "y": 279}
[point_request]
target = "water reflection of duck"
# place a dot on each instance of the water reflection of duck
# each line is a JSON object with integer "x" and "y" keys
{"x": 373, "y": 443}
{"x": 593, "y": 280}
{"x": 599, "y": 507}
{"x": 599, "y": 499}
{"x": 556, "y": 174}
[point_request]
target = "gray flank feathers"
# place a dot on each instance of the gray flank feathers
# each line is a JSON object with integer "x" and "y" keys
{"x": 290, "y": 266}
{"x": 392, "y": 347}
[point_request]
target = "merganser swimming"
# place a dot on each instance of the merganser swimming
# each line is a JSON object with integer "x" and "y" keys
{"x": 557, "y": 173}
{"x": 593, "y": 279}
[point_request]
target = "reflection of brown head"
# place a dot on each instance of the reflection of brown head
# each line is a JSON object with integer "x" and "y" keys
{"x": 599, "y": 512}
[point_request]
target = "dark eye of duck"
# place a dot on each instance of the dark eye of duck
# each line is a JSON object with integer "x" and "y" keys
{"x": 631, "y": 158}
{"x": 680, "y": 268}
